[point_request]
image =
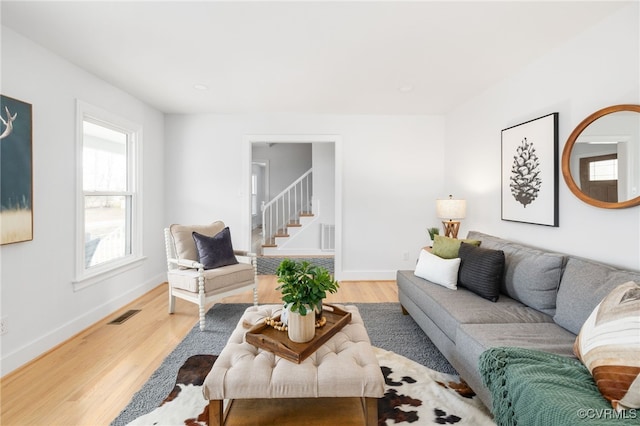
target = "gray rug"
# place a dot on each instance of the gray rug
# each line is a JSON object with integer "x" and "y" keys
{"x": 268, "y": 265}
{"x": 387, "y": 327}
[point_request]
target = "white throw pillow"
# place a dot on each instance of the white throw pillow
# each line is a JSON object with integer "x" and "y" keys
{"x": 438, "y": 270}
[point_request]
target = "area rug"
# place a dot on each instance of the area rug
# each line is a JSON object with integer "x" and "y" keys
{"x": 388, "y": 329}
{"x": 267, "y": 265}
{"x": 413, "y": 394}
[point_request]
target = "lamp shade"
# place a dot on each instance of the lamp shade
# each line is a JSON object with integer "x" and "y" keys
{"x": 451, "y": 208}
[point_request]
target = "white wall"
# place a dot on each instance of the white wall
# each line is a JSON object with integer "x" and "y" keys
{"x": 287, "y": 162}
{"x": 38, "y": 301}
{"x": 392, "y": 168}
{"x": 596, "y": 69}
{"x": 324, "y": 167}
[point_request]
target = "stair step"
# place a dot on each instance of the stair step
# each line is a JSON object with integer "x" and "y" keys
{"x": 295, "y": 225}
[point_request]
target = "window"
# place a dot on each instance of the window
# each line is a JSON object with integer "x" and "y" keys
{"x": 108, "y": 196}
{"x": 603, "y": 170}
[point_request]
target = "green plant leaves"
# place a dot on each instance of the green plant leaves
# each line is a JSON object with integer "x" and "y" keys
{"x": 303, "y": 286}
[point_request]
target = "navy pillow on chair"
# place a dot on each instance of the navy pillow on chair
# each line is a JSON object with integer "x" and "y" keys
{"x": 217, "y": 251}
{"x": 481, "y": 270}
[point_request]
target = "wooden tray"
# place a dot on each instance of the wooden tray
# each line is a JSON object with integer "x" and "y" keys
{"x": 268, "y": 338}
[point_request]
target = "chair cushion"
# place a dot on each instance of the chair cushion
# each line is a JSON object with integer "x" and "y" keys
{"x": 215, "y": 280}
{"x": 216, "y": 251}
{"x": 182, "y": 236}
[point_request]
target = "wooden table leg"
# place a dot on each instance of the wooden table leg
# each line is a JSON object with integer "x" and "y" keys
{"x": 370, "y": 406}
{"x": 216, "y": 413}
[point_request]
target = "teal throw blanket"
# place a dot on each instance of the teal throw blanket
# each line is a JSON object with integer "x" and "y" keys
{"x": 531, "y": 388}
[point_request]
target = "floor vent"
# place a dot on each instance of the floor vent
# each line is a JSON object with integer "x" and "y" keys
{"x": 328, "y": 237}
{"x": 122, "y": 318}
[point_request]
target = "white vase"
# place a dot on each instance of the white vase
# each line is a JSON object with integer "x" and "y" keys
{"x": 301, "y": 328}
{"x": 284, "y": 316}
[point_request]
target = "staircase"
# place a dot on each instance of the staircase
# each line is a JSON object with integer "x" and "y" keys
{"x": 285, "y": 233}
{"x": 287, "y": 213}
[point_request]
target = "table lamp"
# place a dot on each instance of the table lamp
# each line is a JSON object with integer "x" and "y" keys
{"x": 451, "y": 209}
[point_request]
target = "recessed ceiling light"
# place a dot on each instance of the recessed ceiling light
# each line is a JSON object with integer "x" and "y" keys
{"x": 405, "y": 88}
{"x": 200, "y": 87}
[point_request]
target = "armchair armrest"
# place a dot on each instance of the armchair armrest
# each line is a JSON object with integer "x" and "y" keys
{"x": 186, "y": 263}
{"x": 244, "y": 253}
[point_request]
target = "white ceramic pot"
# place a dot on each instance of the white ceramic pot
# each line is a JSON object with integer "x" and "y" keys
{"x": 301, "y": 328}
{"x": 284, "y": 316}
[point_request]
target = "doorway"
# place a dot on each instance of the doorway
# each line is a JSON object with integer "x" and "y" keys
{"x": 253, "y": 184}
{"x": 599, "y": 177}
{"x": 259, "y": 194}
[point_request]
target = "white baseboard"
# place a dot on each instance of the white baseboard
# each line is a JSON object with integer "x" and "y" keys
{"x": 50, "y": 340}
{"x": 367, "y": 275}
{"x": 284, "y": 252}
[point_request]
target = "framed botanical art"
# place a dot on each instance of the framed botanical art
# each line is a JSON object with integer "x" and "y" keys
{"x": 16, "y": 171}
{"x": 530, "y": 171}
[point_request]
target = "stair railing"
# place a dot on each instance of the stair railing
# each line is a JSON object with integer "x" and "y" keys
{"x": 285, "y": 208}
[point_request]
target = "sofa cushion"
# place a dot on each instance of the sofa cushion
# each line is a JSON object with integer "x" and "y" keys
{"x": 182, "y": 238}
{"x": 447, "y": 248}
{"x": 481, "y": 270}
{"x": 448, "y": 309}
{"x": 440, "y": 271}
{"x": 547, "y": 337}
{"x": 609, "y": 346}
{"x": 531, "y": 276}
{"x": 216, "y": 251}
{"x": 584, "y": 284}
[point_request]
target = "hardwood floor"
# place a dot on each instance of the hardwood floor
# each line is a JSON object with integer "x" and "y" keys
{"x": 90, "y": 378}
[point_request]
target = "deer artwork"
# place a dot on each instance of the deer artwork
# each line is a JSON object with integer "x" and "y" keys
{"x": 9, "y": 123}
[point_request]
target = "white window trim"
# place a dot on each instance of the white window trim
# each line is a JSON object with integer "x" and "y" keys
{"x": 85, "y": 277}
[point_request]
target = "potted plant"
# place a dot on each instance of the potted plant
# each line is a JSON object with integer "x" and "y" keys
{"x": 433, "y": 232}
{"x": 303, "y": 286}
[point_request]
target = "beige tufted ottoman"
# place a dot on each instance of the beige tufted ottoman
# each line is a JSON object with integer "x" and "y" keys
{"x": 344, "y": 367}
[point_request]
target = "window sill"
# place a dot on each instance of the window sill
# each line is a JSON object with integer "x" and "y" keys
{"x": 95, "y": 277}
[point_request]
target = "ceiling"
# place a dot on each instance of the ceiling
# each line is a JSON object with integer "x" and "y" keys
{"x": 358, "y": 57}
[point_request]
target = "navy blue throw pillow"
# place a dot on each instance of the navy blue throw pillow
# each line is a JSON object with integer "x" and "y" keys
{"x": 217, "y": 251}
{"x": 481, "y": 270}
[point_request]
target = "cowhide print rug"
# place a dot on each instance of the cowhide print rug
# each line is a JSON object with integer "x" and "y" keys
{"x": 414, "y": 394}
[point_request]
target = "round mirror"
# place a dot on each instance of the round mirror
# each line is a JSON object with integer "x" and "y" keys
{"x": 601, "y": 159}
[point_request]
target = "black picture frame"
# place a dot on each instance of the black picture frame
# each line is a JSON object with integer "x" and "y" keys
{"x": 16, "y": 171}
{"x": 529, "y": 178}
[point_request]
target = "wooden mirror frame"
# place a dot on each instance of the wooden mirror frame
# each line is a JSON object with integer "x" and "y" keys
{"x": 566, "y": 159}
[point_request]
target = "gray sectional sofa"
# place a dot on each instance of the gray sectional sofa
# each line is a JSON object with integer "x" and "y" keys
{"x": 545, "y": 297}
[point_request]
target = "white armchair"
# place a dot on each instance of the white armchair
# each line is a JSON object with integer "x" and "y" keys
{"x": 189, "y": 280}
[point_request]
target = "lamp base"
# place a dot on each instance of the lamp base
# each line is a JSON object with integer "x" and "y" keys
{"x": 451, "y": 228}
